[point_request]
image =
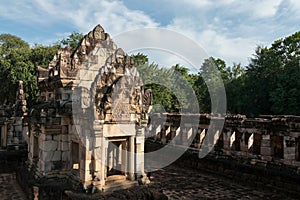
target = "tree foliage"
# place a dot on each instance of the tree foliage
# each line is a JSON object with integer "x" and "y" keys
{"x": 72, "y": 40}
{"x": 18, "y": 62}
{"x": 169, "y": 85}
{"x": 15, "y": 65}
{"x": 273, "y": 78}
{"x": 42, "y": 55}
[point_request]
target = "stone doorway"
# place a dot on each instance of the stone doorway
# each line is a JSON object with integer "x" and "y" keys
{"x": 117, "y": 157}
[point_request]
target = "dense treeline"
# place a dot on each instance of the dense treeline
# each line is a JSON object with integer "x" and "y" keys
{"x": 268, "y": 85}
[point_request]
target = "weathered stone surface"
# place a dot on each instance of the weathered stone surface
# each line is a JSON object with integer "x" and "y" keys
{"x": 65, "y": 156}
{"x": 65, "y": 146}
{"x": 47, "y": 155}
{"x": 65, "y": 138}
{"x": 56, "y": 156}
{"x": 266, "y": 151}
{"x": 56, "y": 137}
{"x": 50, "y": 145}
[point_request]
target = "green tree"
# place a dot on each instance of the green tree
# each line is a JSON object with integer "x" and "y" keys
{"x": 42, "y": 55}
{"x": 72, "y": 40}
{"x": 235, "y": 90}
{"x": 15, "y": 65}
{"x": 285, "y": 98}
{"x": 273, "y": 76}
{"x": 167, "y": 91}
{"x": 212, "y": 76}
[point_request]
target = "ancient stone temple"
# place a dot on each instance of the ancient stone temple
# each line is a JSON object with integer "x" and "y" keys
{"x": 89, "y": 125}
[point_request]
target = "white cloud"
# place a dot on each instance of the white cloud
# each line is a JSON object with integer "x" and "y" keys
{"x": 256, "y": 8}
{"x": 216, "y": 43}
{"x": 112, "y": 15}
{"x": 85, "y": 15}
{"x": 229, "y": 29}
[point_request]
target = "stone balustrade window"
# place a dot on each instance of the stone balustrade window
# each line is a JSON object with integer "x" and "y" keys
{"x": 277, "y": 144}
{"x": 35, "y": 147}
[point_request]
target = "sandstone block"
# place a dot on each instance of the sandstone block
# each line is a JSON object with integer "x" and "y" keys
{"x": 65, "y": 120}
{"x": 47, "y": 155}
{"x": 65, "y": 146}
{"x": 45, "y": 166}
{"x": 56, "y": 156}
{"x": 48, "y": 137}
{"x": 266, "y": 151}
{"x": 64, "y": 138}
{"x": 56, "y": 137}
{"x": 50, "y": 145}
{"x": 65, "y": 156}
{"x": 64, "y": 129}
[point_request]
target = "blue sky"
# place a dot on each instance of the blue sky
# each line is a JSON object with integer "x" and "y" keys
{"x": 226, "y": 29}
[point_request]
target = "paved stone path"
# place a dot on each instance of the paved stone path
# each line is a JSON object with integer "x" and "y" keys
{"x": 10, "y": 189}
{"x": 178, "y": 183}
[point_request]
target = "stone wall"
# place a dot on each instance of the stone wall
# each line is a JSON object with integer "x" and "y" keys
{"x": 262, "y": 152}
{"x": 273, "y": 139}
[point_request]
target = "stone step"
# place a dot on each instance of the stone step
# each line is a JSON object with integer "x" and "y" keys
{"x": 114, "y": 178}
{"x": 113, "y": 186}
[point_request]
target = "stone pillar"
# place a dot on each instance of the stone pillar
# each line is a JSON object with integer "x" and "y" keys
{"x": 140, "y": 140}
{"x": 197, "y": 138}
{"x": 172, "y": 132}
{"x": 177, "y": 137}
{"x": 10, "y": 134}
{"x": 189, "y": 134}
{"x": 86, "y": 163}
{"x": 184, "y": 136}
{"x": 140, "y": 161}
{"x": 168, "y": 133}
{"x": 226, "y": 141}
{"x": 216, "y": 137}
{"x": 202, "y": 136}
{"x": 157, "y": 131}
{"x": 289, "y": 150}
{"x": 266, "y": 148}
{"x": 4, "y": 134}
{"x": 124, "y": 157}
{"x": 163, "y": 135}
{"x": 86, "y": 151}
{"x": 131, "y": 158}
{"x": 100, "y": 149}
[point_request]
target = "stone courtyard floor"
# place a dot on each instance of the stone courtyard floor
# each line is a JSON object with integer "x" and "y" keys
{"x": 9, "y": 188}
{"x": 179, "y": 183}
{"x": 176, "y": 183}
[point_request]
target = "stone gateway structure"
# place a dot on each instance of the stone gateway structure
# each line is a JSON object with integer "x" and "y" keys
{"x": 89, "y": 126}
